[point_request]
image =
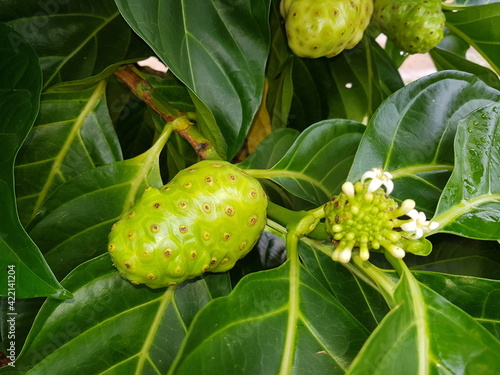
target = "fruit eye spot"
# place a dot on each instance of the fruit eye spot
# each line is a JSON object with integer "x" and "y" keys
{"x": 252, "y": 220}
{"x": 131, "y": 214}
{"x": 206, "y": 236}
{"x": 151, "y": 276}
{"x": 208, "y": 180}
{"x": 183, "y": 229}
{"x": 131, "y": 235}
{"x": 148, "y": 188}
{"x": 111, "y": 247}
{"x": 213, "y": 261}
{"x": 155, "y": 228}
{"x": 187, "y": 185}
{"x": 243, "y": 245}
{"x": 227, "y": 236}
{"x": 253, "y": 193}
{"x": 114, "y": 226}
{"x": 192, "y": 254}
{"x": 167, "y": 252}
{"x": 205, "y": 268}
{"x": 156, "y": 205}
{"x": 224, "y": 261}
{"x": 178, "y": 270}
{"x": 166, "y": 188}
{"x": 206, "y": 207}
{"x": 216, "y": 165}
{"x": 229, "y": 210}
{"x": 135, "y": 282}
{"x": 128, "y": 266}
{"x": 182, "y": 205}
{"x": 232, "y": 177}
{"x": 190, "y": 170}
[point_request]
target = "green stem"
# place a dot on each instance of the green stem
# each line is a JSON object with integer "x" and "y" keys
{"x": 385, "y": 285}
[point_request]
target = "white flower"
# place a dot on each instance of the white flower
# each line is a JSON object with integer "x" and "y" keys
{"x": 378, "y": 178}
{"x": 419, "y": 224}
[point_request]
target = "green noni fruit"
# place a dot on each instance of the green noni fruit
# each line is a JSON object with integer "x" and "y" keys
{"x": 205, "y": 219}
{"x": 324, "y": 28}
{"x": 414, "y": 26}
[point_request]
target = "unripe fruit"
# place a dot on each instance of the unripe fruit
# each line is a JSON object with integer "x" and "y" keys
{"x": 317, "y": 29}
{"x": 205, "y": 219}
{"x": 414, "y": 26}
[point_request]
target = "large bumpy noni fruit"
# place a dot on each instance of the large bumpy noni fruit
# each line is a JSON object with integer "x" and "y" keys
{"x": 414, "y": 26}
{"x": 205, "y": 219}
{"x": 324, "y": 28}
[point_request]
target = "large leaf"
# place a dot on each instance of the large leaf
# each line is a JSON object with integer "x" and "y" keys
{"x": 273, "y": 322}
{"x": 111, "y": 326}
{"x": 20, "y": 87}
{"x": 351, "y": 85}
{"x": 317, "y": 163}
{"x": 412, "y": 134}
{"x": 73, "y": 134}
{"x": 76, "y": 219}
{"x": 478, "y": 26}
{"x": 446, "y": 60}
{"x": 426, "y": 334}
{"x": 218, "y": 49}
{"x": 480, "y": 298}
{"x": 74, "y": 39}
{"x": 470, "y": 203}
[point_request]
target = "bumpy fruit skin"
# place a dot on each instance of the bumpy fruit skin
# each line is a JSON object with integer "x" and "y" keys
{"x": 414, "y": 26}
{"x": 205, "y": 219}
{"x": 325, "y": 28}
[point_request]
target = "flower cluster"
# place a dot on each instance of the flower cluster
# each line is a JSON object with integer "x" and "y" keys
{"x": 363, "y": 216}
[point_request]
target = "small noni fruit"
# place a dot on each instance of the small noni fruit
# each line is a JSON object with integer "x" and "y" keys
{"x": 205, "y": 219}
{"x": 414, "y": 26}
{"x": 325, "y": 28}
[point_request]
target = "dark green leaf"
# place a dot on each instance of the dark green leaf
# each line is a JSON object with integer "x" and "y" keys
{"x": 480, "y": 298}
{"x": 218, "y": 49}
{"x": 283, "y": 311}
{"x": 73, "y": 134}
{"x": 478, "y": 26}
{"x": 412, "y": 134}
{"x": 470, "y": 203}
{"x": 20, "y": 87}
{"x": 425, "y": 333}
{"x": 76, "y": 219}
{"x": 445, "y": 60}
{"x": 317, "y": 163}
{"x": 111, "y": 325}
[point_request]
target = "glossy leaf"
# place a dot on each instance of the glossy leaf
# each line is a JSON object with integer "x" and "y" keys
{"x": 480, "y": 298}
{"x": 143, "y": 328}
{"x": 218, "y": 49}
{"x": 20, "y": 87}
{"x": 73, "y": 134}
{"x": 477, "y": 26}
{"x": 412, "y": 134}
{"x": 425, "y": 333}
{"x": 280, "y": 309}
{"x": 446, "y": 60}
{"x": 316, "y": 164}
{"x": 77, "y": 218}
{"x": 74, "y": 39}
{"x": 470, "y": 203}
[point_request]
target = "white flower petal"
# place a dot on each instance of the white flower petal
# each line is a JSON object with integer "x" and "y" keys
{"x": 433, "y": 225}
{"x": 389, "y": 186}
{"x": 374, "y": 185}
{"x": 409, "y": 227}
{"x": 348, "y": 189}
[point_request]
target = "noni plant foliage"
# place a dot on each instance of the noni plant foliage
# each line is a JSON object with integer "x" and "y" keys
{"x": 271, "y": 198}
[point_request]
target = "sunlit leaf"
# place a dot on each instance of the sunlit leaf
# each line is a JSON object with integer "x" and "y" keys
{"x": 126, "y": 329}
{"x": 25, "y": 272}
{"x": 281, "y": 310}
{"x": 425, "y": 333}
{"x": 412, "y": 134}
{"x": 73, "y": 134}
